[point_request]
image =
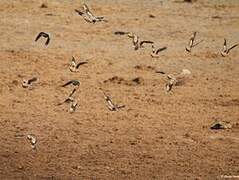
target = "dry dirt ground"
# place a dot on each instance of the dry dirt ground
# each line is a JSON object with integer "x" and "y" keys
{"x": 158, "y": 135}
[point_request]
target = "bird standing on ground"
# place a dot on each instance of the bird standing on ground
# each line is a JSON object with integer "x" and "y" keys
{"x": 226, "y": 50}
{"x": 45, "y": 35}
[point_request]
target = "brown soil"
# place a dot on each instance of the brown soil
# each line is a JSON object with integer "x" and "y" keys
{"x": 158, "y": 135}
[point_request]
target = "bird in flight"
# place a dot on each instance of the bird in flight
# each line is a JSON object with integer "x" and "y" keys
{"x": 33, "y": 140}
{"x": 73, "y": 82}
{"x": 226, "y": 50}
{"x": 69, "y": 98}
{"x": 88, "y": 15}
{"x": 74, "y": 66}
{"x": 27, "y": 83}
{"x": 73, "y": 106}
{"x": 45, "y": 35}
{"x": 171, "y": 82}
{"x": 191, "y": 42}
{"x": 111, "y": 106}
{"x": 136, "y": 41}
{"x": 176, "y": 80}
{"x": 154, "y": 53}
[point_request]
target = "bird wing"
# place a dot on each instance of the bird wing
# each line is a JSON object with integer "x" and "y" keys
{"x": 225, "y": 45}
{"x": 86, "y": 8}
{"x": 79, "y": 12}
{"x": 88, "y": 19}
{"x": 121, "y": 106}
{"x": 111, "y": 105}
{"x": 71, "y": 94}
{"x": 161, "y": 72}
{"x": 69, "y": 82}
{"x": 81, "y": 63}
{"x": 120, "y": 33}
{"x": 145, "y": 42}
{"x": 38, "y": 36}
{"x": 194, "y": 36}
{"x": 232, "y": 47}
{"x": 108, "y": 100}
{"x": 32, "y": 80}
{"x": 161, "y": 49}
{"x": 66, "y": 100}
{"x": 191, "y": 41}
{"x": 48, "y": 40}
{"x": 100, "y": 17}
{"x": 73, "y": 60}
{"x": 197, "y": 43}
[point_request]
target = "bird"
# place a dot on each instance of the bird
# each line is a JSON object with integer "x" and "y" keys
{"x": 27, "y": 83}
{"x": 73, "y": 66}
{"x": 176, "y": 80}
{"x": 96, "y": 18}
{"x": 154, "y": 53}
{"x": 226, "y": 50}
{"x": 135, "y": 39}
{"x": 73, "y": 106}
{"x": 33, "y": 140}
{"x": 45, "y": 35}
{"x": 88, "y": 15}
{"x": 111, "y": 106}
{"x": 73, "y": 82}
{"x": 191, "y": 42}
{"x": 171, "y": 82}
{"x": 136, "y": 42}
{"x": 69, "y": 98}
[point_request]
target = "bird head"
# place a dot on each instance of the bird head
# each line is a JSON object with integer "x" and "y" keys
{"x": 130, "y": 34}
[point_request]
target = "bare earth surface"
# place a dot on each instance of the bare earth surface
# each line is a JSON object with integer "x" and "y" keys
{"x": 158, "y": 135}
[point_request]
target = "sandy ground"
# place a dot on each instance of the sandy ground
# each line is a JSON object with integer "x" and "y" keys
{"x": 158, "y": 135}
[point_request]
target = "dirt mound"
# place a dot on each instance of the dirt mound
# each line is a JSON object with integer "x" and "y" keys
{"x": 119, "y": 80}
